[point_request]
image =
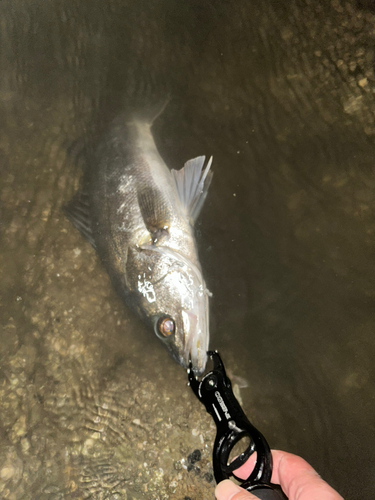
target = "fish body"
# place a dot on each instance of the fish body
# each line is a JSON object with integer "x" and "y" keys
{"x": 139, "y": 215}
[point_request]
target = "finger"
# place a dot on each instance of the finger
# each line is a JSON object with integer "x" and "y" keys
{"x": 298, "y": 479}
{"x": 245, "y": 470}
{"x": 227, "y": 490}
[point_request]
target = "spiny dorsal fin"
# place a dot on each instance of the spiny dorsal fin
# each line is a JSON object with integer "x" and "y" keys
{"x": 78, "y": 212}
{"x": 192, "y": 183}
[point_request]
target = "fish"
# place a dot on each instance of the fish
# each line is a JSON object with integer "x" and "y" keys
{"x": 139, "y": 215}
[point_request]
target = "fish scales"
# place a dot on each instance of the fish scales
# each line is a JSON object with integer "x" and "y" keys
{"x": 139, "y": 215}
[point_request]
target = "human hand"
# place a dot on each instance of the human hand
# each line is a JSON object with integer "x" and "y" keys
{"x": 297, "y": 478}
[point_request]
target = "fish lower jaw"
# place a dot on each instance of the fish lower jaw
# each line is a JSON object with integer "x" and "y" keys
{"x": 185, "y": 359}
{"x": 197, "y": 361}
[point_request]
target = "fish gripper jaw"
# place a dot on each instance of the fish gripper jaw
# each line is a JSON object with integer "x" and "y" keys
{"x": 214, "y": 390}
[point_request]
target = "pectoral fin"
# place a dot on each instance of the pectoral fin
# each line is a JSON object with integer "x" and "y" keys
{"x": 155, "y": 213}
{"x": 192, "y": 183}
{"x": 78, "y": 212}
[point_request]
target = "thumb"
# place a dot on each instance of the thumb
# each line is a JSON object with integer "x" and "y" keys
{"x": 227, "y": 490}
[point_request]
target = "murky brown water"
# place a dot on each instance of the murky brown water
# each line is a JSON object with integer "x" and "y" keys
{"x": 282, "y": 96}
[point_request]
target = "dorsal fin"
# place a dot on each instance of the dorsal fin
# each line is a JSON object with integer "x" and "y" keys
{"x": 192, "y": 183}
{"x": 78, "y": 212}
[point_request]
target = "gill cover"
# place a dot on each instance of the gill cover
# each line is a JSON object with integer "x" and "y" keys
{"x": 182, "y": 298}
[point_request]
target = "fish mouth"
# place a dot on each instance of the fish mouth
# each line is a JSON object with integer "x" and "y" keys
{"x": 198, "y": 366}
{"x": 193, "y": 358}
{"x": 196, "y": 341}
{"x": 187, "y": 361}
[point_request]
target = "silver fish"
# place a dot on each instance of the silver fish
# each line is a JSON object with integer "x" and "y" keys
{"x": 139, "y": 215}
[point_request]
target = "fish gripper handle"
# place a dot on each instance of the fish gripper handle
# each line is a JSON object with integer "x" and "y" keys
{"x": 214, "y": 390}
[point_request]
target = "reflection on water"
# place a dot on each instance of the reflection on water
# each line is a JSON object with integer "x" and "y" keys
{"x": 282, "y": 97}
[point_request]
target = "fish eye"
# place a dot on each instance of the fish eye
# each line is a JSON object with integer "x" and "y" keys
{"x": 165, "y": 326}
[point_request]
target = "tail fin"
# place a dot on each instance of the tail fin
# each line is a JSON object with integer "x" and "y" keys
{"x": 139, "y": 99}
{"x": 149, "y": 112}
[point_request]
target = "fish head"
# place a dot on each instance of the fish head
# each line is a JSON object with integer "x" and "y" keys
{"x": 178, "y": 307}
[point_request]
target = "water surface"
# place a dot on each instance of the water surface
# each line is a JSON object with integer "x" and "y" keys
{"x": 281, "y": 93}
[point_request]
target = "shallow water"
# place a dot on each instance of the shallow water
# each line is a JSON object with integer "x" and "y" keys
{"x": 282, "y": 96}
